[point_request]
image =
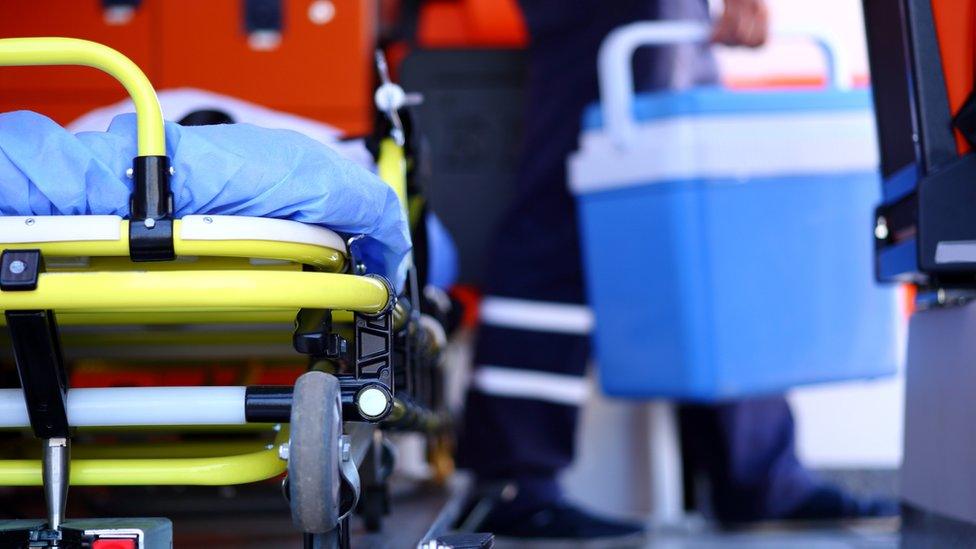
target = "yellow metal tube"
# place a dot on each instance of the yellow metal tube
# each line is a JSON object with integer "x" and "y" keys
{"x": 392, "y": 167}
{"x": 280, "y": 337}
{"x": 200, "y": 290}
{"x": 71, "y": 51}
{"x": 128, "y": 318}
{"x": 178, "y": 449}
{"x": 206, "y": 471}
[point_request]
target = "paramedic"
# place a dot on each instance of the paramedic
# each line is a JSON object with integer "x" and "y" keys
{"x": 745, "y": 448}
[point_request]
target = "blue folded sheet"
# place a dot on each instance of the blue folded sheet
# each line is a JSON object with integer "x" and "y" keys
{"x": 234, "y": 169}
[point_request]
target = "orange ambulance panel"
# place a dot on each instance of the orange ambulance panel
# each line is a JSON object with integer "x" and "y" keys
{"x": 472, "y": 23}
{"x": 65, "y": 93}
{"x": 320, "y": 70}
{"x": 955, "y": 22}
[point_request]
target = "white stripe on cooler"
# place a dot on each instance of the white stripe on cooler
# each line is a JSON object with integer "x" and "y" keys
{"x": 728, "y": 147}
{"x": 531, "y": 385}
{"x": 539, "y": 316}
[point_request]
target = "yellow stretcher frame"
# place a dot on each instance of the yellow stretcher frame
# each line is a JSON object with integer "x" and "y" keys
{"x": 48, "y": 51}
{"x": 189, "y": 291}
{"x": 188, "y": 471}
{"x": 144, "y": 292}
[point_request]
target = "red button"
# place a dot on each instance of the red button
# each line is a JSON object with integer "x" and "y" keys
{"x": 114, "y": 544}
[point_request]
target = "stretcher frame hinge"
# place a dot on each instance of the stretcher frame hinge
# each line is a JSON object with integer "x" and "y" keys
{"x": 151, "y": 210}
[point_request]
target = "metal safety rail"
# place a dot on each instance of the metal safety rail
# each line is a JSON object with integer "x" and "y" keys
{"x": 71, "y": 51}
{"x": 200, "y": 290}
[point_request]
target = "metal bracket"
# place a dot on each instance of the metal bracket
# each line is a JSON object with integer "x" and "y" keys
{"x": 37, "y": 353}
{"x": 40, "y": 365}
{"x": 374, "y": 348}
{"x": 313, "y": 335}
{"x": 37, "y": 348}
{"x": 389, "y": 98}
{"x": 151, "y": 210}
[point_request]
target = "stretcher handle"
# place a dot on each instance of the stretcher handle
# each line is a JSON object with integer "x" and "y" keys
{"x": 71, "y": 51}
{"x": 616, "y": 73}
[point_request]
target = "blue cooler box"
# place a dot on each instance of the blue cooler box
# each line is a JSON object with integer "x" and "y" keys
{"x": 728, "y": 245}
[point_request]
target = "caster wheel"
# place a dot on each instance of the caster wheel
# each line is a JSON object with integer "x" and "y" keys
{"x": 313, "y": 458}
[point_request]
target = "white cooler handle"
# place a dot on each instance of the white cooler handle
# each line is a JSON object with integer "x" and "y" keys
{"x": 616, "y": 71}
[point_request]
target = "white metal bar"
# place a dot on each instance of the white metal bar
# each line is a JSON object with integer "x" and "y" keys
{"x": 137, "y": 406}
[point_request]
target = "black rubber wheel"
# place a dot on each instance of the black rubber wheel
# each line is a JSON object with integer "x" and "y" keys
{"x": 313, "y": 456}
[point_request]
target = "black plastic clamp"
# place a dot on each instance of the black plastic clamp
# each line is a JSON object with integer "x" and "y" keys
{"x": 314, "y": 336}
{"x": 151, "y": 211}
{"x": 20, "y": 270}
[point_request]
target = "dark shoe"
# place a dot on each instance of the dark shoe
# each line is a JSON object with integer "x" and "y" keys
{"x": 562, "y": 524}
{"x": 830, "y": 503}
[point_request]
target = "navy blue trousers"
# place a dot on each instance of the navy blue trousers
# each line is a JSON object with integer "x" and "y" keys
{"x": 532, "y": 348}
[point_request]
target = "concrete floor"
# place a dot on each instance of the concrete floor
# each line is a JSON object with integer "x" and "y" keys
{"x": 245, "y": 517}
{"x": 877, "y": 535}
{"x": 256, "y": 516}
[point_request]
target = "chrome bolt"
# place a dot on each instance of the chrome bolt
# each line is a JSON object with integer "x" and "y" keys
{"x": 172, "y": 170}
{"x": 17, "y": 267}
{"x": 149, "y": 223}
{"x": 345, "y": 447}
{"x": 128, "y": 173}
{"x": 284, "y": 451}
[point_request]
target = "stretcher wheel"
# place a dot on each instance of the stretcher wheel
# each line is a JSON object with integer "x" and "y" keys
{"x": 313, "y": 458}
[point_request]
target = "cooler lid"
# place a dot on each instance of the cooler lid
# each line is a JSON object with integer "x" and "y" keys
{"x": 718, "y": 101}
